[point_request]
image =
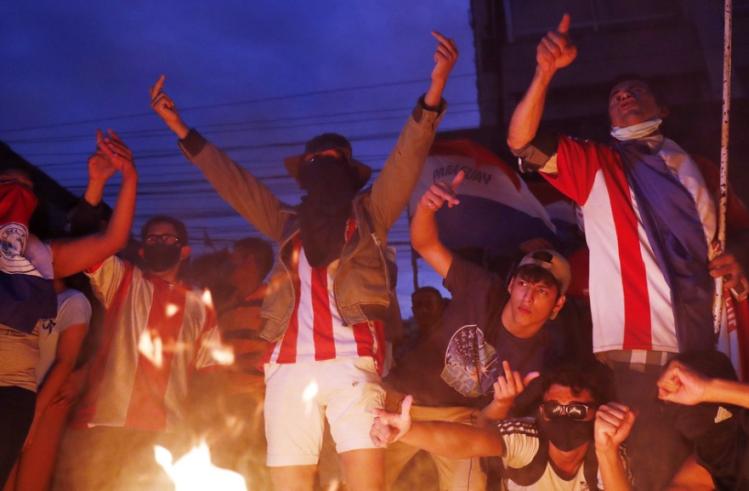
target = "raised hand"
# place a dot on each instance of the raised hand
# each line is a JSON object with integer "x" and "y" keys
{"x": 612, "y": 426}
{"x": 510, "y": 385}
{"x": 387, "y": 427}
{"x": 119, "y": 155}
{"x": 681, "y": 385}
{"x": 164, "y": 107}
{"x": 440, "y": 193}
{"x": 556, "y": 50}
{"x": 100, "y": 168}
{"x": 445, "y": 57}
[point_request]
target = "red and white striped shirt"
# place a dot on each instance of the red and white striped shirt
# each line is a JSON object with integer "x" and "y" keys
{"x": 155, "y": 334}
{"x": 316, "y": 330}
{"x": 630, "y": 298}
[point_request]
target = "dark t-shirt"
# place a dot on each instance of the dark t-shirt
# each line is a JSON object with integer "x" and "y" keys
{"x": 460, "y": 359}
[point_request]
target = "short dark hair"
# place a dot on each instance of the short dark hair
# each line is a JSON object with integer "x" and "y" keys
{"x": 261, "y": 251}
{"x": 589, "y": 375}
{"x": 427, "y": 289}
{"x": 179, "y": 227}
{"x": 633, "y": 76}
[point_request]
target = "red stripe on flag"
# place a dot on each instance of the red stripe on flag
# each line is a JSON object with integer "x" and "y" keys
{"x": 147, "y": 408}
{"x": 87, "y": 406}
{"x": 637, "y": 321}
{"x": 322, "y": 330}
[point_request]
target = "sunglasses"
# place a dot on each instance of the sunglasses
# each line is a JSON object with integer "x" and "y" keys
{"x": 575, "y": 410}
{"x": 168, "y": 239}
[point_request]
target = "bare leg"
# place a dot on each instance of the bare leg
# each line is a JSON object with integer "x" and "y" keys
{"x": 293, "y": 478}
{"x": 364, "y": 470}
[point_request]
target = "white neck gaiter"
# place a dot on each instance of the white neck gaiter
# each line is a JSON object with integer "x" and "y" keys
{"x": 636, "y": 131}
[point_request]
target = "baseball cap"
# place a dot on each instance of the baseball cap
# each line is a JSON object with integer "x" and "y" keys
{"x": 553, "y": 262}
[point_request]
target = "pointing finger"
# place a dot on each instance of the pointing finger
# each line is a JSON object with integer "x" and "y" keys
{"x": 157, "y": 86}
{"x": 564, "y": 24}
{"x": 457, "y": 180}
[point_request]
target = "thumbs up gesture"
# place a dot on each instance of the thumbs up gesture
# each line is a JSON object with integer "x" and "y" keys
{"x": 556, "y": 50}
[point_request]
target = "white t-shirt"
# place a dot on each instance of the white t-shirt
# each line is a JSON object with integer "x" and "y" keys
{"x": 522, "y": 442}
{"x": 73, "y": 308}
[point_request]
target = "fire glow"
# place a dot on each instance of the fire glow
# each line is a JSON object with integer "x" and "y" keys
{"x": 195, "y": 472}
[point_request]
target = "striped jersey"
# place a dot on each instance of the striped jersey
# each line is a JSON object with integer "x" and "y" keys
{"x": 629, "y": 295}
{"x": 155, "y": 334}
{"x": 316, "y": 330}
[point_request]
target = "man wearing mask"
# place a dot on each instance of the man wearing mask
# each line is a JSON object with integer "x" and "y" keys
{"x": 650, "y": 221}
{"x": 330, "y": 290}
{"x": 573, "y": 442}
{"x": 157, "y": 332}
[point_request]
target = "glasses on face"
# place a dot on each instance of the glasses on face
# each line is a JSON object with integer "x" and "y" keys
{"x": 168, "y": 239}
{"x": 574, "y": 410}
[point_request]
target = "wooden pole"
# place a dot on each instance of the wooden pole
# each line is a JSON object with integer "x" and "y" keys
{"x": 724, "y": 137}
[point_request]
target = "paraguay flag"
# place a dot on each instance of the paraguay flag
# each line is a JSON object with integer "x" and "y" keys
{"x": 497, "y": 210}
{"x": 26, "y": 292}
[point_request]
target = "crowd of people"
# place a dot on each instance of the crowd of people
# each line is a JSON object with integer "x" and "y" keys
{"x": 282, "y": 352}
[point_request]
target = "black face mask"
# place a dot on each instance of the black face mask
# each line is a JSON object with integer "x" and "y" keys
{"x": 331, "y": 186}
{"x": 161, "y": 257}
{"x": 566, "y": 434}
{"x": 329, "y": 177}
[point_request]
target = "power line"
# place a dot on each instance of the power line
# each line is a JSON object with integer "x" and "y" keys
{"x": 140, "y": 134}
{"x": 310, "y": 93}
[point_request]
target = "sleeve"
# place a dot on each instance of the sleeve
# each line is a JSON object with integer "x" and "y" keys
{"x": 75, "y": 310}
{"x": 86, "y": 219}
{"x": 237, "y": 186}
{"x": 107, "y": 277}
{"x": 520, "y": 449}
{"x": 575, "y": 166}
{"x": 392, "y": 188}
{"x": 465, "y": 278}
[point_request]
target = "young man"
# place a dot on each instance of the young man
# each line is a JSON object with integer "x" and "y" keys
{"x": 427, "y": 306}
{"x": 157, "y": 333}
{"x": 27, "y": 296}
{"x": 649, "y": 224}
{"x": 330, "y": 290}
{"x": 573, "y": 443}
{"x": 487, "y": 324}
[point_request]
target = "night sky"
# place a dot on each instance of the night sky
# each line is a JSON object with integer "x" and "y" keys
{"x": 256, "y": 77}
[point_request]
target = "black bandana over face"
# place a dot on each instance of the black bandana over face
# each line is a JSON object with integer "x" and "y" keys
{"x": 566, "y": 434}
{"x": 331, "y": 185}
{"x": 161, "y": 257}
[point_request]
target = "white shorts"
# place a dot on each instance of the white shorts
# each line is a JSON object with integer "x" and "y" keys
{"x": 298, "y": 396}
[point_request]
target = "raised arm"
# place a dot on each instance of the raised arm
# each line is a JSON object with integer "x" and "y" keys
{"x": 237, "y": 186}
{"x": 451, "y": 440}
{"x": 392, "y": 188}
{"x": 555, "y": 51}
{"x": 682, "y": 385}
{"x": 424, "y": 235}
{"x": 613, "y": 424}
{"x": 73, "y": 256}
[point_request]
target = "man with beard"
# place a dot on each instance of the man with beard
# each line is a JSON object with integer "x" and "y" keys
{"x": 573, "y": 443}
{"x": 330, "y": 290}
{"x": 156, "y": 333}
